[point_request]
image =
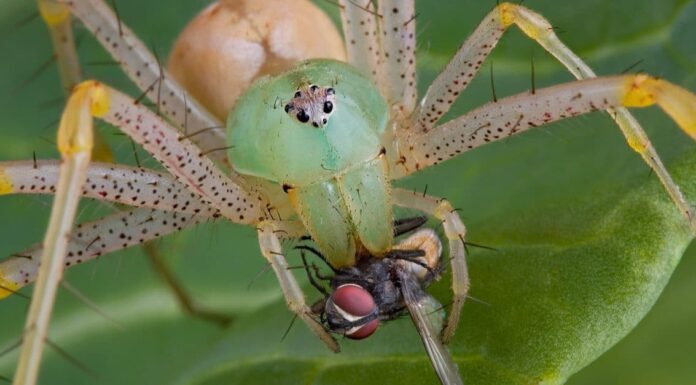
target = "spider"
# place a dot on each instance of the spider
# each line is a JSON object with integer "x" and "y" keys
{"x": 413, "y": 140}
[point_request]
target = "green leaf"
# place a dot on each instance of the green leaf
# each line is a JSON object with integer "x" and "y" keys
{"x": 565, "y": 284}
{"x": 586, "y": 238}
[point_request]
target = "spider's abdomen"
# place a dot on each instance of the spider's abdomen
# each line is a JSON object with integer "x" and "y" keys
{"x": 335, "y": 172}
{"x": 233, "y": 42}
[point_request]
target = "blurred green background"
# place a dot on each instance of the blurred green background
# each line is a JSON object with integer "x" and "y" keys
{"x": 583, "y": 158}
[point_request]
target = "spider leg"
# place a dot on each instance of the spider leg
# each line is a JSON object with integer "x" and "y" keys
{"x": 678, "y": 103}
{"x": 187, "y": 304}
{"x": 397, "y": 67}
{"x": 146, "y": 71}
{"x": 358, "y": 18}
{"x": 75, "y": 146}
{"x": 137, "y": 187}
{"x": 272, "y": 251}
{"x": 93, "y": 239}
{"x": 515, "y": 114}
{"x": 57, "y": 18}
{"x": 455, "y": 233}
{"x": 182, "y": 158}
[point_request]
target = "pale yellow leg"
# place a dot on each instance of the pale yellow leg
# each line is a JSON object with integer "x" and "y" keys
{"x": 57, "y": 18}
{"x": 455, "y": 233}
{"x": 677, "y": 102}
{"x": 75, "y": 145}
{"x": 270, "y": 248}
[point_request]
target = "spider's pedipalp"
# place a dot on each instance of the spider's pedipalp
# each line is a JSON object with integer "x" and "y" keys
{"x": 271, "y": 249}
{"x": 455, "y": 231}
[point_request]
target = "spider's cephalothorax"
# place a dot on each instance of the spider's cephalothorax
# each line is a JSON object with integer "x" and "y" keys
{"x": 373, "y": 290}
{"x": 313, "y": 105}
{"x": 337, "y": 178}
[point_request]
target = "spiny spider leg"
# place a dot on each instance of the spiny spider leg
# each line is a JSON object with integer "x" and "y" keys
{"x": 75, "y": 146}
{"x": 466, "y": 62}
{"x": 148, "y": 74}
{"x": 515, "y": 114}
{"x": 182, "y": 158}
{"x": 455, "y": 233}
{"x": 57, "y": 18}
{"x": 397, "y": 27}
{"x": 186, "y": 302}
{"x": 93, "y": 239}
{"x": 137, "y": 187}
{"x": 272, "y": 251}
{"x": 358, "y": 18}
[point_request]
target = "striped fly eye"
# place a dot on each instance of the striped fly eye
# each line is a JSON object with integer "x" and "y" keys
{"x": 354, "y": 303}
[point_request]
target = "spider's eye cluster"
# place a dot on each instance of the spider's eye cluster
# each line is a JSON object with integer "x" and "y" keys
{"x": 352, "y": 310}
{"x": 312, "y": 104}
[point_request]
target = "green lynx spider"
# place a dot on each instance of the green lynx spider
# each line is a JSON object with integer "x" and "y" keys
{"x": 398, "y": 136}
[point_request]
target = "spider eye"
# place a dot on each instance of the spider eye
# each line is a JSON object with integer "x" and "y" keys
{"x": 330, "y": 91}
{"x": 323, "y": 121}
{"x": 353, "y": 303}
{"x": 328, "y": 107}
{"x": 302, "y": 116}
{"x": 313, "y": 88}
{"x": 288, "y": 107}
{"x": 315, "y": 124}
{"x": 298, "y": 94}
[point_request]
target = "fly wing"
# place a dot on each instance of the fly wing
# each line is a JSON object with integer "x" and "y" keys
{"x": 423, "y": 309}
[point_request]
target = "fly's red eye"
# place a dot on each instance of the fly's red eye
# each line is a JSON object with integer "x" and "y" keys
{"x": 354, "y": 303}
{"x": 363, "y": 331}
